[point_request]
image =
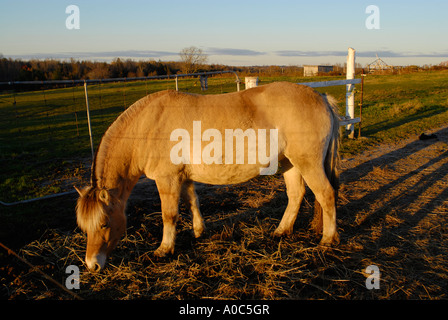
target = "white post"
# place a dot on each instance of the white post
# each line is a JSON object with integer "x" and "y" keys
{"x": 251, "y": 82}
{"x": 177, "y": 84}
{"x": 88, "y": 119}
{"x": 350, "y": 93}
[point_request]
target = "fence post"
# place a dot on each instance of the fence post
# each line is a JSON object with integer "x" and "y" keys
{"x": 350, "y": 93}
{"x": 88, "y": 119}
{"x": 204, "y": 82}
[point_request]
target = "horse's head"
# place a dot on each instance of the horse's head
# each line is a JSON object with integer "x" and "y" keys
{"x": 100, "y": 214}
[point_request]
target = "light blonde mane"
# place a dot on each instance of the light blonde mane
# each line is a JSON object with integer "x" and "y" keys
{"x": 90, "y": 212}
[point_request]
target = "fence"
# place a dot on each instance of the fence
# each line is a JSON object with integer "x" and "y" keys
{"x": 203, "y": 82}
{"x": 350, "y": 119}
{"x": 45, "y": 135}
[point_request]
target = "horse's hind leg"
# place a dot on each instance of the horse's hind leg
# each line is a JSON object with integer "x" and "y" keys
{"x": 295, "y": 189}
{"x": 318, "y": 182}
{"x": 191, "y": 201}
{"x": 169, "y": 192}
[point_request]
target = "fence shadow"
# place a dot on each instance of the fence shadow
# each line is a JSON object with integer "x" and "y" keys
{"x": 395, "y": 214}
{"x": 390, "y": 159}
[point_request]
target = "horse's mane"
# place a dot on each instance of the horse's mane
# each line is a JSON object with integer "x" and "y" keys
{"x": 117, "y": 128}
{"x": 90, "y": 212}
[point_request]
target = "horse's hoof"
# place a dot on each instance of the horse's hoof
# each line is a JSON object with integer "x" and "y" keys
{"x": 162, "y": 252}
{"x": 199, "y": 232}
{"x": 329, "y": 242}
{"x": 278, "y": 233}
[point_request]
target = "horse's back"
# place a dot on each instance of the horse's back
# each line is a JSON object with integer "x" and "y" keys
{"x": 298, "y": 113}
{"x": 270, "y": 103}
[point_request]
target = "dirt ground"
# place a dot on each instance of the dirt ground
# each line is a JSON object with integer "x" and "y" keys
{"x": 392, "y": 213}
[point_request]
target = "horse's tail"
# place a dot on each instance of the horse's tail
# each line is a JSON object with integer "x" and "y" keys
{"x": 331, "y": 162}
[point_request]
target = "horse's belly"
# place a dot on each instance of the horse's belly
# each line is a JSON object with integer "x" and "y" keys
{"x": 224, "y": 174}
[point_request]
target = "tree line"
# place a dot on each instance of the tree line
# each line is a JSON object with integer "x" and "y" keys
{"x": 50, "y": 69}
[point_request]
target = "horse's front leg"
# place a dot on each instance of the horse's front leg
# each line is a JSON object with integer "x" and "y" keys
{"x": 169, "y": 192}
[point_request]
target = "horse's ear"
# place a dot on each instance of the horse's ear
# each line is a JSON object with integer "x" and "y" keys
{"x": 79, "y": 191}
{"x": 104, "y": 196}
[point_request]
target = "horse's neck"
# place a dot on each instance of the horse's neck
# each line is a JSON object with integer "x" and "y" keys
{"x": 115, "y": 168}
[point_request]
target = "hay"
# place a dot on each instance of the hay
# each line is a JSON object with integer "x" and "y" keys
{"x": 393, "y": 213}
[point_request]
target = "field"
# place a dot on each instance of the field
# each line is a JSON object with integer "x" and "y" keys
{"x": 392, "y": 210}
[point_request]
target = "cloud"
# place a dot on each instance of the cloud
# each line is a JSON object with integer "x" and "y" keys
{"x": 233, "y": 52}
{"x": 99, "y": 55}
{"x": 365, "y": 54}
{"x": 298, "y": 53}
{"x": 155, "y": 54}
{"x": 136, "y": 54}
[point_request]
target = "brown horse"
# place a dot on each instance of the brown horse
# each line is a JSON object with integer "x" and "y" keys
{"x": 162, "y": 136}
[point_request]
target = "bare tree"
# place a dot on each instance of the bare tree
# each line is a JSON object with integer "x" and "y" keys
{"x": 192, "y": 58}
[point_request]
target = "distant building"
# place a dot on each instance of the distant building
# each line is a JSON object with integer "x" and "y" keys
{"x": 378, "y": 65}
{"x": 309, "y": 71}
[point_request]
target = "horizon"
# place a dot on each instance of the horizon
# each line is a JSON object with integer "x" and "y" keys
{"x": 262, "y": 33}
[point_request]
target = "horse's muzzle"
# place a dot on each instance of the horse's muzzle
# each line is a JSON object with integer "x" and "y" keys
{"x": 96, "y": 262}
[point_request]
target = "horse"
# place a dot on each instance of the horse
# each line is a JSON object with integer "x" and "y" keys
{"x": 145, "y": 137}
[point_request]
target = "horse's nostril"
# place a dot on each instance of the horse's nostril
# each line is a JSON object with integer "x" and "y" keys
{"x": 96, "y": 263}
{"x": 96, "y": 267}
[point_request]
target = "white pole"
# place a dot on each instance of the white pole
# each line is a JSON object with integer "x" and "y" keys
{"x": 350, "y": 93}
{"x": 88, "y": 119}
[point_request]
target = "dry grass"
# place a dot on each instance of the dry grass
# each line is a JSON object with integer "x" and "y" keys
{"x": 393, "y": 213}
{"x": 409, "y": 106}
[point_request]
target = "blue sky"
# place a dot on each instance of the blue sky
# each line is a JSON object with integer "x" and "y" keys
{"x": 243, "y": 32}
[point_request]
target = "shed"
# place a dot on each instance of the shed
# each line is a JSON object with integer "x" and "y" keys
{"x": 309, "y": 71}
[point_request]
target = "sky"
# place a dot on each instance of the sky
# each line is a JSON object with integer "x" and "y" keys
{"x": 239, "y": 33}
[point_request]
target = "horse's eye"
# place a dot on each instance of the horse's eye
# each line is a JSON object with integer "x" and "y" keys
{"x": 106, "y": 225}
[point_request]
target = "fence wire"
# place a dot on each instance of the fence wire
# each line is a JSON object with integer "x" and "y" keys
{"x": 44, "y": 136}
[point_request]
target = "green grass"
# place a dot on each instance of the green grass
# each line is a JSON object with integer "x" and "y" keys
{"x": 44, "y": 138}
{"x": 44, "y": 141}
{"x": 394, "y": 106}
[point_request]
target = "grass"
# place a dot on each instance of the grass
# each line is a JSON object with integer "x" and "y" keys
{"x": 398, "y": 106}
